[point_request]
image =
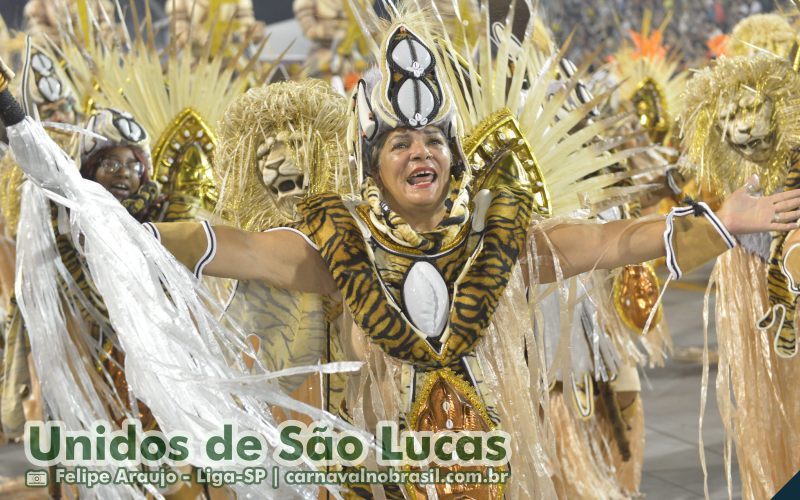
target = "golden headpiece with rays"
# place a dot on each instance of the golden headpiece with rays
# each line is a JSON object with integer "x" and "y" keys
{"x": 651, "y": 79}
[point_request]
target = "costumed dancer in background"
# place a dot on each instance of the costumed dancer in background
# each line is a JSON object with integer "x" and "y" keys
{"x": 647, "y": 80}
{"x": 230, "y": 28}
{"x": 278, "y": 144}
{"x": 338, "y": 53}
{"x": 199, "y": 23}
{"x": 762, "y": 33}
{"x": 597, "y": 418}
{"x": 621, "y": 317}
{"x": 116, "y": 153}
{"x": 741, "y": 118}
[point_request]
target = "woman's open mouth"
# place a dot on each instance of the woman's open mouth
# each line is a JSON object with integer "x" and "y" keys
{"x": 422, "y": 177}
{"x": 120, "y": 190}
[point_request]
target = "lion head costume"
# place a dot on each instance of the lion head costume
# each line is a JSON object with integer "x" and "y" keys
{"x": 278, "y": 143}
{"x": 762, "y": 32}
{"x": 741, "y": 118}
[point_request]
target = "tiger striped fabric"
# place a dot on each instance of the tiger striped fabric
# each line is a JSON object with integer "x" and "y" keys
{"x": 780, "y": 318}
{"x": 474, "y": 298}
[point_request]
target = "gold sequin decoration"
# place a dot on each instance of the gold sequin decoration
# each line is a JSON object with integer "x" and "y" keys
{"x": 182, "y": 158}
{"x": 447, "y": 402}
{"x": 651, "y": 107}
{"x": 498, "y": 153}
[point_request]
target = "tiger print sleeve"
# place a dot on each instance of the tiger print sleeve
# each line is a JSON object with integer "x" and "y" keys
{"x": 194, "y": 244}
{"x": 790, "y": 264}
{"x": 693, "y": 236}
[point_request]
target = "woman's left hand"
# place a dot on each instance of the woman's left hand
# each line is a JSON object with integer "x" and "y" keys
{"x": 744, "y": 212}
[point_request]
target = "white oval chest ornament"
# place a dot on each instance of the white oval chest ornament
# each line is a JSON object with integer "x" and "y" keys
{"x": 426, "y": 298}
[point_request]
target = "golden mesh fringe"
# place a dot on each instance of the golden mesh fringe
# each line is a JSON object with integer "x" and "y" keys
{"x": 313, "y": 114}
{"x": 770, "y": 32}
{"x": 756, "y": 391}
{"x": 590, "y": 465}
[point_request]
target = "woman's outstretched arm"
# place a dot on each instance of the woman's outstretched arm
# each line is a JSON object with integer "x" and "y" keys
{"x": 691, "y": 239}
{"x": 280, "y": 257}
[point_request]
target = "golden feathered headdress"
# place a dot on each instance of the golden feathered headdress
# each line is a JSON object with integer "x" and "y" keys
{"x": 404, "y": 89}
{"x": 651, "y": 79}
{"x": 555, "y": 113}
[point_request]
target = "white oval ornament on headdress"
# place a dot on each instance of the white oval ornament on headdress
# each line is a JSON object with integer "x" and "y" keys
{"x": 50, "y": 88}
{"x": 403, "y": 90}
{"x": 416, "y": 102}
{"x": 41, "y": 64}
{"x": 113, "y": 127}
{"x": 129, "y": 129}
{"x": 412, "y": 56}
{"x": 411, "y": 85}
{"x": 426, "y": 298}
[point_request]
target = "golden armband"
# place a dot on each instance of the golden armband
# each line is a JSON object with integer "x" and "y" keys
{"x": 694, "y": 235}
{"x": 194, "y": 244}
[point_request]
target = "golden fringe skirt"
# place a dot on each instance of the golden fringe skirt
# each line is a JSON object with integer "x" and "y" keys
{"x": 756, "y": 391}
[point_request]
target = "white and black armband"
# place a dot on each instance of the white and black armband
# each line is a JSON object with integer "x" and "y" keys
{"x": 194, "y": 244}
{"x": 693, "y": 236}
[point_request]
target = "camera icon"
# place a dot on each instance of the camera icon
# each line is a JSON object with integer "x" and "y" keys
{"x": 36, "y": 478}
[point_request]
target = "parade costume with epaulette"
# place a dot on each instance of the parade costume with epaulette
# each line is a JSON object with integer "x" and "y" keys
{"x": 424, "y": 301}
{"x": 437, "y": 315}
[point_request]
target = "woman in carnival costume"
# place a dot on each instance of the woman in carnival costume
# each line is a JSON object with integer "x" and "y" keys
{"x": 426, "y": 265}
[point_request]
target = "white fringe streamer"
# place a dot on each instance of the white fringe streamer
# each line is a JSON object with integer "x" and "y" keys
{"x": 179, "y": 360}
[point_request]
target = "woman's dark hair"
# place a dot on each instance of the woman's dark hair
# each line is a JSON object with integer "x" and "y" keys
{"x": 375, "y": 152}
{"x": 90, "y": 166}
